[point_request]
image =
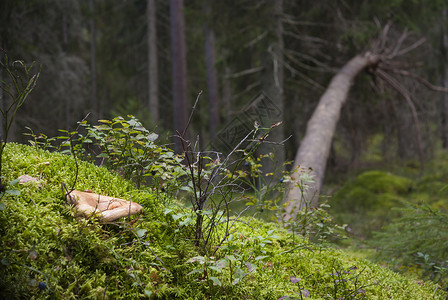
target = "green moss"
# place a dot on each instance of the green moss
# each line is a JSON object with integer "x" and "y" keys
{"x": 366, "y": 202}
{"x": 42, "y": 242}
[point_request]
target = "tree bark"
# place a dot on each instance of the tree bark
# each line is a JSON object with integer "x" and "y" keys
{"x": 315, "y": 147}
{"x": 179, "y": 69}
{"x": 443, "y": 65}
{"x": 227, "y": 94}
{"x": 153, "y": 72}
{"x": 5, "y": 19}
{"x": 67, "y": 106}
{"x": 272, "y": 85}
{"x": 212, "y": 77}
{"x": 95, "y": 104}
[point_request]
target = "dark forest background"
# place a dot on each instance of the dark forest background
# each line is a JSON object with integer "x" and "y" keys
{"x": 151, "y": 58}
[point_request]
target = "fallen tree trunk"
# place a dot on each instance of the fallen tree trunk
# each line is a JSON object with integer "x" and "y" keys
{"x": 315, "y": 147}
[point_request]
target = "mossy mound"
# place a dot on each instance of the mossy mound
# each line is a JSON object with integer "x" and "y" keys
{"x": 47, "y": 253}
{"x": 365, "y": 203}
{"x": 431, "y": 188}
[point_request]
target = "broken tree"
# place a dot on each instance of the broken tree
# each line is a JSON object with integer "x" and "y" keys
{"x": 315, "y": 146}
{"x": 312, "y": 155}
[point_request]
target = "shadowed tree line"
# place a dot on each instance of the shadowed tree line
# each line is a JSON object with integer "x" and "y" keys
{"x": 151, "y": 58}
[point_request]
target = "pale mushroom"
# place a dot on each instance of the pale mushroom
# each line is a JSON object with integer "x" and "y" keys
{"x": 104, "y": 207}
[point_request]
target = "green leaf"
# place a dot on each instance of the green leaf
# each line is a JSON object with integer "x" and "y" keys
{"x": 239, "y": 273}
{"x": 6, "y": 261}
{"x": 148, "y": 293}
{"x": 200, "y": 259}
{"x": 260, "y": 257}
{"x": 13, "y": 192}
{"x": 186, "y": 188}
{"x": 12, "y": 182}
{"x": 214, "y": 268}
{"x": 178, "y": 216}
{"x": 250, "y": 267}
{"x": 153, "y": 136}
{"x": 231, "y": 258}
{"x": 186, "y": 222}
{"x": 141, "y": 232}
{"x": 2, "y": 206}
{"x": 222, "y": 263}
{"x": 195, "y": 271}
{"x": 167, "y": 211}
{"x": 216, "y": 281}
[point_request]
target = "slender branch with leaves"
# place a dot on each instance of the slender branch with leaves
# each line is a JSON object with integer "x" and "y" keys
{"x": 20, "y": 81}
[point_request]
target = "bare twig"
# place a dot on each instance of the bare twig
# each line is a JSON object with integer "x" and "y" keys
{"x": 410, "y": 48}
{"x": 400, "y": 41}
{"x": 192, "y": 113}
{"x": 256, "y": 39}
{"x": 421, "y": 80}
{"x": 245, "y": 72}
{"x": 307, "y": 79}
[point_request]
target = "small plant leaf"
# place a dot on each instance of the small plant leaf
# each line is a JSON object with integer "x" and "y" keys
{"x": 186, "y": 222}
{"x": 222, "y": 263}
{"x": 305, "y": 293}
{"x": 13, "y": 192}
{"x": 294, "y": 279}
{"x": 200, "y": 259}
{"x": 178, "y": 216}
{"x": 5, "y": 261}
{"x": 260, "y": 257}
{"x": 12, "y": 182}
{"x": 250, "y": 267}
{"x": 153, "y": 136}
{"x": 141, "y": 232}
{"x": 215, "y": 268}
{"x": 195, "y": 271}
{"x": 231, "y": 258}
{"x": 216, "y": 281}
{"x": 167, "y": 211}
{"x": 239, "y": 274}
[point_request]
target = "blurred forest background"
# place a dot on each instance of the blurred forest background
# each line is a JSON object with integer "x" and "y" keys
{"x": 151, "y": 58}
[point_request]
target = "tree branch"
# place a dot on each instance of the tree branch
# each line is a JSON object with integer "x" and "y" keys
{"x": 402, "y": 91}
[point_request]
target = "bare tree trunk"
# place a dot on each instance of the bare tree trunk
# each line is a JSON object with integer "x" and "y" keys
{"x": 227, "y": 94}
{"x": 153, "y": 73}
{"x": 95, "y": 103}
{"x": 315, "y": 146}
{"x": 67, "y": 107}
{"x": 3, "y": 105}
{"x": 272, "y": 84}
{"x": 179, "y": 68}
{"x": 5, "y": 18}
{"x": 212, "y": 77}
{"x": 443, "y": 79}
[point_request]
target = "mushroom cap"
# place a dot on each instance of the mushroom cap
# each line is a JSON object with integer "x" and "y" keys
{"x": 104, "y": 207}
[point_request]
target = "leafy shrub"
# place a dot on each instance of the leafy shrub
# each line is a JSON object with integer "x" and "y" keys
{"x": 16, "y": 88}
{"x": 122, "y": 145}
{"x": 417, "y": 240}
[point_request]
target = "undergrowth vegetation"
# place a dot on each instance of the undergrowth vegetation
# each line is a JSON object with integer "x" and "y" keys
{"x": 404, "y": 220}
{"x": 188, "y": 243}
{"x": 47, "y": 252}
